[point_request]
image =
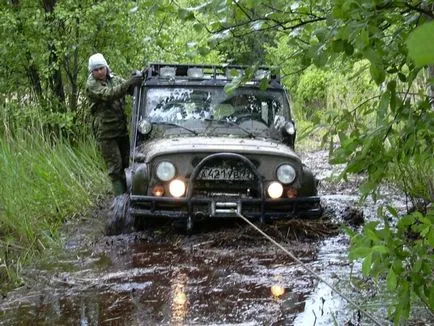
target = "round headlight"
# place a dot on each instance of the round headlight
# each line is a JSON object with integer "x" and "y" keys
{"x": 177, "y": 188}
{"x": 165, "y": 171}
{"x": 285, "y": 173}
{"x": 275, "y": 190}
{"x": 144, "y": 127}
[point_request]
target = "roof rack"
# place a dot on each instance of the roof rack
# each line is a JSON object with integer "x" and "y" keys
{"x": 204, "y": 71}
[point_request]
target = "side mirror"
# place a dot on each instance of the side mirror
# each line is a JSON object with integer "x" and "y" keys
{"x": 286, "y": 129}
{"x": 144, "y": 126}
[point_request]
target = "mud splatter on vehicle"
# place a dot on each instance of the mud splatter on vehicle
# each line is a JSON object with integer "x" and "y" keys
{"x": 201, "y": 152}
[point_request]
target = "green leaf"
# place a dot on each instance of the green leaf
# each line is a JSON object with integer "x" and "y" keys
{"x": 402, "y": 77}
{"x": 362, "y": 41}
{"x": 321, "y": 34}
{"x": 263, "y": 84}
{"x": 360, "y": 252}
{"x": 431, "y": 298}
{"x": 430, "y": 237}
{"x": 348, "y": 48}
{"x": 371, "y": 235}
{"x": 338, "y": 45}
{"x": 382, "y": 108}
{"x": 391, "y": 280}
{"x": 392, "y": 211}
{"x": 231, "y": 87}
{"x": 337, "y": 12}
{"x": 204, "y": 50}
{"x": 380, "y": 249}
{"x": 417, "y": 266}
{"x": 406, "y": 221}
{"x": 377, "y": 73}
{"x": 420, "y": 45}
{"x": 185, "y": 14}
{"x": 198, "y": 27}
{"x": 366, "y": 266}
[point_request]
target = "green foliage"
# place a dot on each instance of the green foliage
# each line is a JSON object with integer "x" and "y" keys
{"x": 421, "y": 51}
{"x": 43, "y": 183}
{"x": 401, "y": 257}
{"x": 368, "y": 91}
{"x": 46, "y": 45}
{"x": 311, "y": 92}
{"x": 383, "y": 124}
{"x": 246, "y": 45}
{"x": 54, "y": 170}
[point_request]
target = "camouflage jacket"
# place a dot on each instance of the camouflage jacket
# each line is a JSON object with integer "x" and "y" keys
{"x": 106, "y": 99}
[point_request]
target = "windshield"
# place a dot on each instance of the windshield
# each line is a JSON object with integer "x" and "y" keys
{"x": 195, "y": 106}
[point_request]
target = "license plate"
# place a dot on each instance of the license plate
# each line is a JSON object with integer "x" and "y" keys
{"x": 235, "y": 174}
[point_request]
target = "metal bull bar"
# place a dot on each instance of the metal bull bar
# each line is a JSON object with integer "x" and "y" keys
{"x": 221, "y": 207}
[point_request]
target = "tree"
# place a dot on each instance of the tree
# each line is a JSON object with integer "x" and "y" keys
{"x": 47, "y": 44}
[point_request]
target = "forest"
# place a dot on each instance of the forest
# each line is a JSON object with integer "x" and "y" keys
{"x": 360, "y": 75}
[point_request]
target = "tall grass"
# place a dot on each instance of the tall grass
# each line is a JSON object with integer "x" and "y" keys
{"x": 43, "y": 182}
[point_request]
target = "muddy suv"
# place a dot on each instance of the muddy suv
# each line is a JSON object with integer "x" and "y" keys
{"x": 201, "y": 152}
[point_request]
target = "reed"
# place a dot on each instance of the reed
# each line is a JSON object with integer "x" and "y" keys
{"x": 44, "y": 181}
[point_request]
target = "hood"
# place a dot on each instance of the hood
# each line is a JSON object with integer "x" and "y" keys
{"x": 157, "y": 147}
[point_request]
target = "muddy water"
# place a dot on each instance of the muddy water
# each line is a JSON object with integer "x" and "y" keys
{"x": 227, "y": 274}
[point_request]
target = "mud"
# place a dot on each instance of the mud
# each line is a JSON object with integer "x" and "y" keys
{"x": 224, "y": 274}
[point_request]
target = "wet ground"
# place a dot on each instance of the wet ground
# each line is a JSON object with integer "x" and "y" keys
{"x": 226, "y": 274}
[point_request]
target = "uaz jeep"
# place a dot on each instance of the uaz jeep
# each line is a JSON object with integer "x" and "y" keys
{"x": 200, "y": 152}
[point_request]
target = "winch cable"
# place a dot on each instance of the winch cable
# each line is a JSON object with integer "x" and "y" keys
{"x": 309, "y": 270}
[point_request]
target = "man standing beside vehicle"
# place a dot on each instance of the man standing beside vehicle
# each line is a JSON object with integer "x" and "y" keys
{"x": 106, "y": 94}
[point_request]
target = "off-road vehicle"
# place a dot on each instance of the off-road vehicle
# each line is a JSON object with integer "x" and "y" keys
{"x": 202, "y": 149}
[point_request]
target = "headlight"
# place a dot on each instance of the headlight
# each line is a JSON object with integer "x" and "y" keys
{"x": 177, "y": 188}
{"x": 275, "y": 190}
{"x": 165, "y": 171}
{"x": 144, "y": 127}
{"x": 285, "y": 173}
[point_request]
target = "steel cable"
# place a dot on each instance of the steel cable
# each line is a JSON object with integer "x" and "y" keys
{"x": 315, "y": 274}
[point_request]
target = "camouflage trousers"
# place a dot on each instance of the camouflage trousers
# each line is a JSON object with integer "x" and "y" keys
{"x": 115, "y": 152}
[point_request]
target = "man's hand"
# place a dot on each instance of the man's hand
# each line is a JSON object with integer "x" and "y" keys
{"x": 136, "y": 79}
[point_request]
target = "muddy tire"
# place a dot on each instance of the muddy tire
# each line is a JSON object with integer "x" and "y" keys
{"x": 119, "y": 219}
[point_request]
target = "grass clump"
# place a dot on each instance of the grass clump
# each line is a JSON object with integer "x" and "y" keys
{"x": 43, "y": 183}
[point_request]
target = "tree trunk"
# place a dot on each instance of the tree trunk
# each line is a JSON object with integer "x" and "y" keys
{"x": 55, "y": 79}
{"x": 32, "y": 71}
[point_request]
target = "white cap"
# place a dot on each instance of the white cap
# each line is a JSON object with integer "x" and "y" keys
{"x": 97, "y": 60}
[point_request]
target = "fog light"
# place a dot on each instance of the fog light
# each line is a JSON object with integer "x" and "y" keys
{"x": 158, "y": 190}
{"x": 275, "y": 190}
{"x": 177, "y": 188}
{"x": 291, "y": 192}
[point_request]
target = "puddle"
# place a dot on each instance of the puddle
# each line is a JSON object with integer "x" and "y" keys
{"x": 229, "y": 276}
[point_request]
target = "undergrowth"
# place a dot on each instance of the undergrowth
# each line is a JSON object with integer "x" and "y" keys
{"x": 44, "y": 182}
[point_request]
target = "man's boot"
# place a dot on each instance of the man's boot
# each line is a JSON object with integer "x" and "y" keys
{"x": 119, "y": 187}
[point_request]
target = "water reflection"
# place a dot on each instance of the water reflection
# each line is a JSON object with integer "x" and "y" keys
{"x": 179, "y": 305}
{"x": 277, "y": 291}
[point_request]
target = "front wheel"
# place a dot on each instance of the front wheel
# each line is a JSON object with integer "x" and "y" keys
{"x": 119, "y": 217}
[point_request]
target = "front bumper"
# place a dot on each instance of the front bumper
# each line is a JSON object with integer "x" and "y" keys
{"x": 195, "y": 206}
{"x": 200, "y": 208}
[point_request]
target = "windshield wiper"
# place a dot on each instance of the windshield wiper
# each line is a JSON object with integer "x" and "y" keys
{"x": 231, "y": 123}
{"x": 165, "y": 123}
